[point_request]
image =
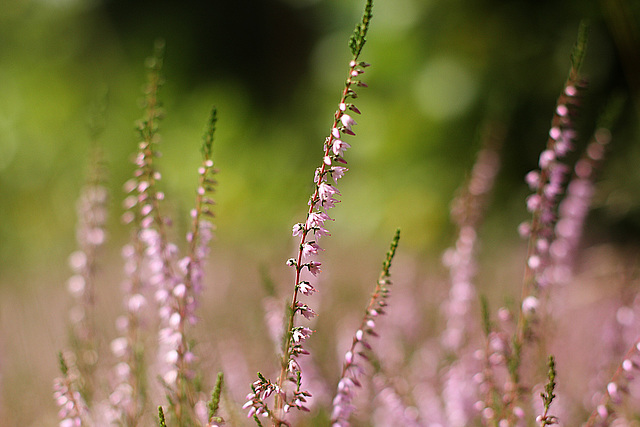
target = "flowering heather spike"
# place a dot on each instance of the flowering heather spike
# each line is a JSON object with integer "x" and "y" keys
{"x": 573, "y": 210}
{"x": 149, "y": 258}
{"x": 91, "y": 236}
{"x": 320, "y": 201}
{"x": 549, "y": 186}
{"x": 351, "y": 370}
{"x": 548, "y": 182}
{"x": 618, "y": 386}
{"x": 179, "y": 298}
{"x": 467, "y": 211}
{"x": 73, "y": 409}
{"x": 359, "y": 36}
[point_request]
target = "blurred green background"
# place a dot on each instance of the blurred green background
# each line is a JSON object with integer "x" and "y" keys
{"x": 440, "y": 71}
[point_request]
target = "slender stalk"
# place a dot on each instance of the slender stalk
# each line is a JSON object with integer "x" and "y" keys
{"x": 315, "y": 198}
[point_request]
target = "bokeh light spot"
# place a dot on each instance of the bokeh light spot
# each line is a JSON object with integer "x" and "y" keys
{"x": 445, "y": 89}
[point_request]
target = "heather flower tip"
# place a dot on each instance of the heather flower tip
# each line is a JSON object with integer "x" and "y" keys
{"x": 358, "y": 38}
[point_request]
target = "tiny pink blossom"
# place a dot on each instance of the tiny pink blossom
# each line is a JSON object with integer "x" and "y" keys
{"x": 320, "y": 231}
{"x": 348, "y": 358}
{"x": 297, "y": 229}
{"x": 347, "y": 121}
{"x": 546, "y": 157}
{"x": 314, "y": 267}
{"x": 300, "y": 334}
{"x": 306, "y": 288}
{"x": 530, "y": 304}
{"x": 325, "y": 191}
{"x": 562, "y": 110}
{"x": 339, "y": 146}
{"x": 310, "y": 248}
{"x": 180, "y": 290}
{"x": 337, "y": 172}
{"x": 316, "y": 219}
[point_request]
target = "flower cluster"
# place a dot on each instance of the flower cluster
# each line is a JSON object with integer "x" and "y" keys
{"x": 351, "y": 368}
{"x": 153, "y": 266}
{"x": 627, "y": 371}
{"x": 467, "y": 211}
{"x": 73, "y": 409}
{"x": 178, "y": 301}
{"x": 573, "y": 210}
{"x": 548, "y": 182}
{"x": 91, "y": 236}
{"x": 310, "y": 231}
{"x": 146, "y": 258}
{"x": 497, "y": 385}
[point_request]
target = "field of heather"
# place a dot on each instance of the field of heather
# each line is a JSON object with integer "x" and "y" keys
{"x": 319, "y": 213}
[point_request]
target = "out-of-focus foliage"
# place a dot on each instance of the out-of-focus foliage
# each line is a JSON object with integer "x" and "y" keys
{"x": 440, "y": 70}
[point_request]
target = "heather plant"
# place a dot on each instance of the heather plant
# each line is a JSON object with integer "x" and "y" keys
{"x": 482, "y": 368}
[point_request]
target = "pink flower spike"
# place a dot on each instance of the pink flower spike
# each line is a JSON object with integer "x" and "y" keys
{"x": 306, "y": 311}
